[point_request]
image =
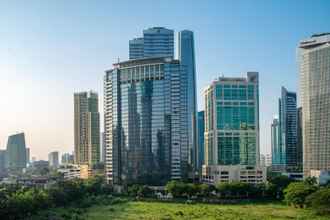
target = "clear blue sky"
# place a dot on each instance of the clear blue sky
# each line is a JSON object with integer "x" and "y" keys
{"x": 50, "y": 49}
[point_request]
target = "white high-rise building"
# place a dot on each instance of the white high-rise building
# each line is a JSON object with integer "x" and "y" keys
{"x": 314, "y": 60}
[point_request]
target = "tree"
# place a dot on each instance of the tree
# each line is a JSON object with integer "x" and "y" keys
{"x": 320, "y": 201}
{"x": 276, "y": 186}
{"x": 176, "y": 188}
{"x": 296, "y": 193}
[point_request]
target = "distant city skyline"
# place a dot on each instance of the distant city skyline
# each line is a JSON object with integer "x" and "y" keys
{"x": 49, "y": 50}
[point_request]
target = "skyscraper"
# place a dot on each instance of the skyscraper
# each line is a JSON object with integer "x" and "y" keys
{"x": 53, "y": 159}
{"x": 232, "y": 121}
{"x": 136, "y": 48}
{"x": 67, "y": 158}
{"x": 27, "y": 155}
{"x": 314, "y": 59}
{"x": 3, "y": 160}
{"x": 186, "y": 51}
{"x": 200, "y": 138}
{"x": 299, "y": 140}
{"x": 156, "y": 42}
{"x": 288, "y": 129}
{"x": 278, "y": 154}
{"x": 16, "y": 151}
{"x": 146, "y": 121}
{"x": 86, "y": 128}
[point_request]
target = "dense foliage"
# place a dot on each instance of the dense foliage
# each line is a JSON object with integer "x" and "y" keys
{"x": 21, "y": 203}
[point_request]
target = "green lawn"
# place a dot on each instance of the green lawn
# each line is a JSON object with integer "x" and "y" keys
{"x": 168, "y": 211}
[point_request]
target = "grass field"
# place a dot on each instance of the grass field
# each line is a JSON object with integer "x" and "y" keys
{"x": 172, "y": 211}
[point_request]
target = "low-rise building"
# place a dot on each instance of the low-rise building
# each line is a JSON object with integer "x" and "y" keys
{"x": 214, "y": 174}
{"x": 70, "y": 172}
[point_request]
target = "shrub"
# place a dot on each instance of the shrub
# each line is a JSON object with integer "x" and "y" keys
{"x": 320, "y": 201}
{"x": 296, "y": 193}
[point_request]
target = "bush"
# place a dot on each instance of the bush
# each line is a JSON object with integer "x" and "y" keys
{"x": 320, "y": 201}
{"x": 296, "y": 193}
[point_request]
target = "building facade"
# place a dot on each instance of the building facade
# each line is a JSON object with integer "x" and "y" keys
{"x": 53, "y": 159}
{"x": 232, "y": 121}
{"x": 136, "y": 48}
{"x": 86, "y": 128}
{"x": 16, "y": 151}
{"x": 277, "y": 151}
{"x": 200, "y": 138}
{"x": 299, "y": 140}
{"x": 288, "y": 129}
{"x": 186, "y": 52}
{"x": 67, "y": 158}
{"x": 146, "y": 135}
{"x": 314, "y": 61}
{"x": 215, "y": 174}
{"x": 3, "y": 160}
{"x": 156, "y": 42}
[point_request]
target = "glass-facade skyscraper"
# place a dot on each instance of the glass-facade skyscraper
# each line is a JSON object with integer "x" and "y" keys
{"x": 288, "y": 129}
{"x": 186, "y": 52}
{"x": 232, "y": 121}
{"x": 278, "y": 153}
{"x": 16, "y": 151}
{"x": 156, "y": 42}
{"x": 200, "y": 138}
{"x": 136, "y": 47}
{"x": 86, "y": 128}
{"x": 314, "y": 59}
{"x": 146, "y": 121}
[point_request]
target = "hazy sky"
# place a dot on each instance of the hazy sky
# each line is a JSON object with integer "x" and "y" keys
{"x": 51, "y": 49}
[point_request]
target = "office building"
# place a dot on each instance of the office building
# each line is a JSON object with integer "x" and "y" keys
{"x": 16, "y": 151}
{"x": 299, "y": 141}
{"x": 146, "y": 121}
{"x": 3, "y": 160}
{"x": 186, "y": 52}
{"x": 200, "y": 138}
{"x": 232, "y": 121}
{"x": 53, "y": 159}
{"x": 67, "y": 158}
{"x": 288, "y": 129}
{"x": 156, "y": 42}
{"x": 314, "y": 59}
{"x": 86, "y": 128}
{"x": 136, "y": 48}
{"x": 27, "y": 155}
{"x": 278, "y": 154}
{"x": 102, "y": 147}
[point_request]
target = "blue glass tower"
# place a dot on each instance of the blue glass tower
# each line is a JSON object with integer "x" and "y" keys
{"x": 146, "y": 121}
{"x": 187, "y": 57}
{"x": 156, "y": 42}
{"x": 200, "y": 137}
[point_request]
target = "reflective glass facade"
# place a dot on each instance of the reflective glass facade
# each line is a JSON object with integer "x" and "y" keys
{"x": 186, "y": 52}
{"x": 146, "y": 121}
{"x": 200, "y": 132}
{"x": 16, "y": 151}
{"x": 156, "y": 42}
{"x": 314, "y": 59}
{"x": 288, "y": 130}
{"x": 232, "y": 121}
